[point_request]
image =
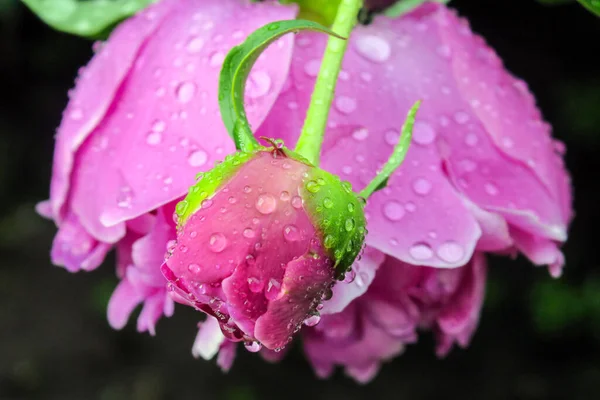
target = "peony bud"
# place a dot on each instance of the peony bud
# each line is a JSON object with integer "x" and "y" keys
{"x": 261, "y": 239}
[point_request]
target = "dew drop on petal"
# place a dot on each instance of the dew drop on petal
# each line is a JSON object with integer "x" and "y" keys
{"x": 197, "y": 158}
{"x": 451, "y": 252}
{"x": 297, "y": 202}
{"x": 420, "y": 251}
{"x": 491, "y": 189}
{"x": 249, "y": 233}
{"x": 253, "y": 347}
{"x": 273, "y": 289}
{"x": 392, "y": 137}
{"x": 345, "y": 104}
{"x": 266, "y": 203}
{"x": 194, "y": 268}
{"x": 423, "y": 133}
{"x": 258, "y": 84}
{"x": 195, "y": 44}
{"x": 360, "y": 134}
{"x": 312, "y": 320}
{"x": 373, "y": 48}
{"x": 393, "y": 210}
{"x": 255, "y": 284}
{"x": 422, "y": 186}
{"x": 217, "y": 242}
{"x": 291, "y": 233}
{"x": 185, "y": 91}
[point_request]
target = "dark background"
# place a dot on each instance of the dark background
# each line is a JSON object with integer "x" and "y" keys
{"x": 538, "y": 338}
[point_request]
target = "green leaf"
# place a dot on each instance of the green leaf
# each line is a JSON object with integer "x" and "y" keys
{"x": 397, "y": 157}
{"x": 591, "y": 5}
{"x": 235, "y": 70}
{"x": 88, "y": 18}
{"x": 404, "y": 6}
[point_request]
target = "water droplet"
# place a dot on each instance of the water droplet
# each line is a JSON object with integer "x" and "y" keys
{"x": 312, "y": 67}
{"x": 421, "y": 251}
{"x": 392, "y": 137}
{"x": 350, "y": 276}
{"x": 461, "y": 117}
{"x": 198, "y": 158}
{"x": 345, "y": 104}
{"x": 451, "y": 252}
{"x": 312, "y": 320}
{"x": 349, "y": 224}
{"x": 253, "y": 347}
{"x": 291, "y": 233}
{"x": 360, "y": 134}
{"x": 194, "y": 268}
{"x": 422, "y": 186}
{"x": 393, "y": 210}
{"x": 154, "y": 138}
{"x": 410, "y": 206}
{"x": 248, "y": 233}
{"x": 350, "y": 207}
{"x": 258, "y": 84}
{"x": 195, "y": 44}
{"x": 329, "y": 241}
{"x": 491, "y": 189}
{"x": 206, "y": 203}
{"x": 312, "y": 186}
{"x": 297, "y": 202}
{"x": 373, "y": 48}
{"x": 327, "y": 202}
{"x": 247, "y": 189}
{"x": 423, "y": 133}
{"x": 124, "y": 197}
{"x": 273, "y": 289}
{"x": 216, "y": 59}
{"x": 471, "y": 139}
{"x": 185, "y": 91}
{"x": 217, "y": 242}
{"x": 284, "y": 196}
{"x": 266, "y": 203}
{"x": 255, "y": 284}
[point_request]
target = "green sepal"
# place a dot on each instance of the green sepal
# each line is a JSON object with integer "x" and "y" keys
{"x": 91, "y": 18}
{"x": 338, "y": 214}
{"x": 236, "y": 68}
{"x": 210, "y": 181}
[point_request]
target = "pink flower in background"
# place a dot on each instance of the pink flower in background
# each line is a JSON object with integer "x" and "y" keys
{"x": 483, "y": 173}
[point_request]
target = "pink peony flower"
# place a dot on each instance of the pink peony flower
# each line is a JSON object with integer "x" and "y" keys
{"x": 483, "y": 174}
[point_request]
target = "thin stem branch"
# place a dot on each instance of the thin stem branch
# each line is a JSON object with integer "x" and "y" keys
{"x": 311, "y": 138}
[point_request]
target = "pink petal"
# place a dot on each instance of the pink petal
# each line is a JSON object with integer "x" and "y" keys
{"x": 167, "y": 110}
{"x": 226, "y": 356}
{"x": 121, "y": 304}
{"x": 540, "y": 251}
{"x": 75, "y": 249}
{"x": 304, "y": 282}
{"x": 459, "y": 318}
{"x": 364, "y": 273}
{"x": 209, "y": 339}
{"x": 419, "y": 218}
{"x": 44, "y": 208}
{"x": 97, "y": 85}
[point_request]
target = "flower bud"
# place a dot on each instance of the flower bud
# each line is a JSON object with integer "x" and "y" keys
{"x": 261, "y": 239}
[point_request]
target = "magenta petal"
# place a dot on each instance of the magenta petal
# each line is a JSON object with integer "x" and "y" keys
{"x": 44, "y": 208}
{"x": 363, "y": 373}
{"x": 75, "y": 249}
{"x": 540, "y": 251}
{"x": 121, "y": 304}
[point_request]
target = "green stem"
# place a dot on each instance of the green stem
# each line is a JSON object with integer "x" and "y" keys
{"x": 397, "y": 156}
{"x": 311, "y": 138}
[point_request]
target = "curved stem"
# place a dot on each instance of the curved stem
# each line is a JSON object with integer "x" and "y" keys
{"x": 311, "y": 138}
{"x": 397, "y": 156}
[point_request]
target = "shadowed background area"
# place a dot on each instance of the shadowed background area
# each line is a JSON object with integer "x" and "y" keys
{"x": 538, "y": 338}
